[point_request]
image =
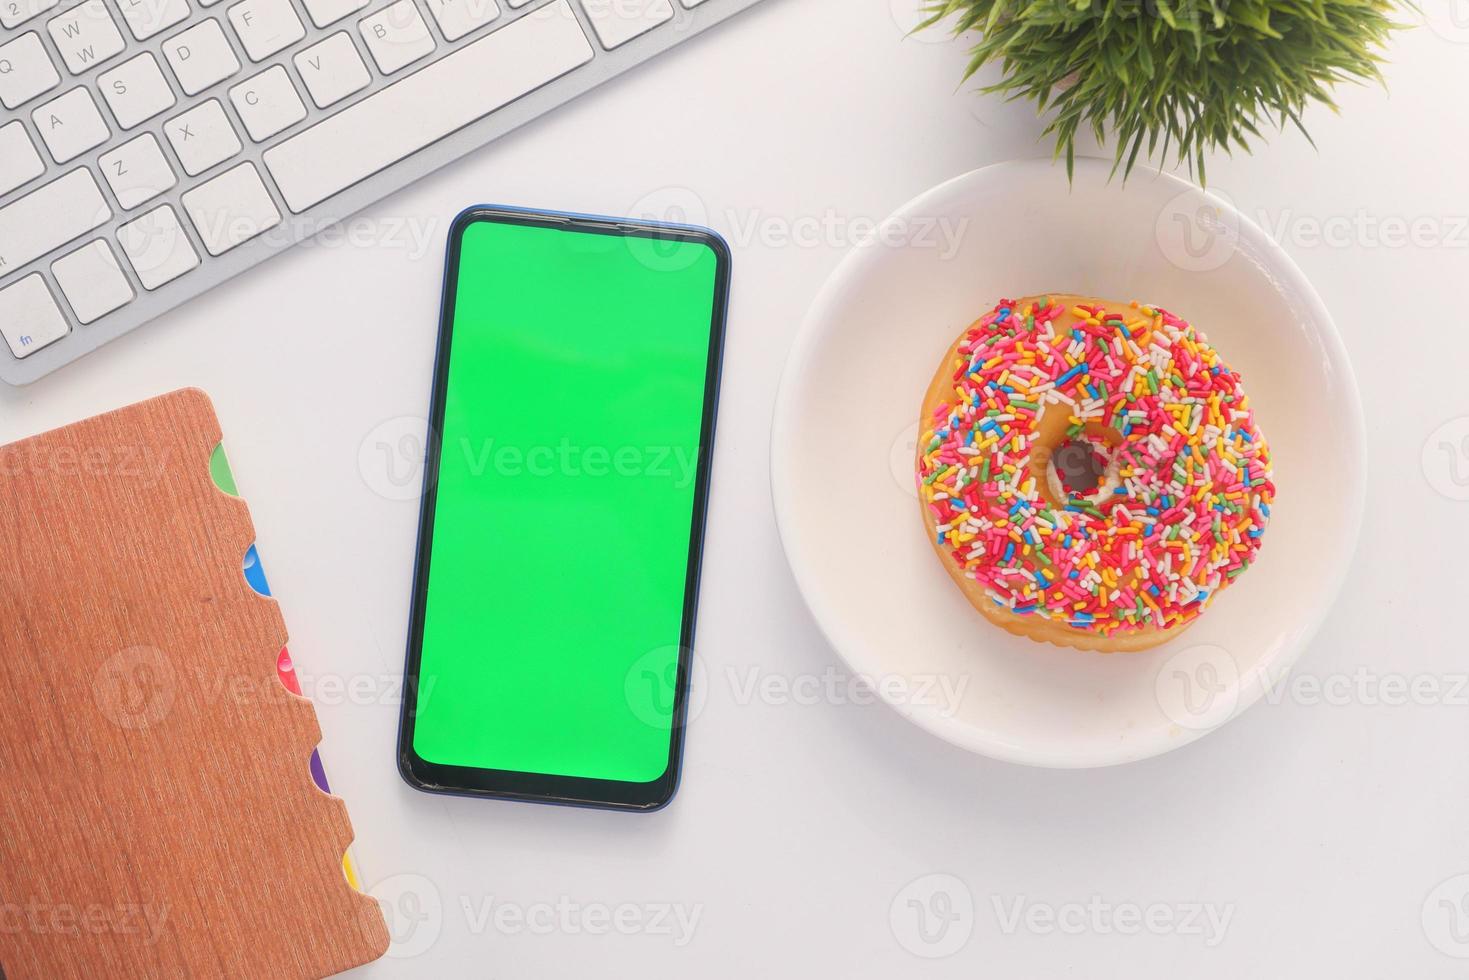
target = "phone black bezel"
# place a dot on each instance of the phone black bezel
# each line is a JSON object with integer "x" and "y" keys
{"x": 537, "y": 787}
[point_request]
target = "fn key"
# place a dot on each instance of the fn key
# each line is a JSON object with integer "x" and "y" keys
{"x": 29, "y": 317}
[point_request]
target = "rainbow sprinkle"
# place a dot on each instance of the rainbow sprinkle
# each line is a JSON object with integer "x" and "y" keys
{"x": 1189, "y": 492}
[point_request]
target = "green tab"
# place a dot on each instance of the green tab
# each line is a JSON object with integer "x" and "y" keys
{"x": 219, "y": 469}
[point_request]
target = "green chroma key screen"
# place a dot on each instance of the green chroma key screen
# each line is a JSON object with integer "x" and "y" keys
{"x": 563, "y": 538}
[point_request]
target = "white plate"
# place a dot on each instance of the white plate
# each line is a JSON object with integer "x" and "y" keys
{"x": 846, "y": 421}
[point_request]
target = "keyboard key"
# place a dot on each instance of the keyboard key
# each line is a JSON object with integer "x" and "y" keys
{"x": 19, "y": 161}
{"x": 266, "y": 26}
{"x": 619, "y": 21}
{"x": 396, "y": 36}
{"x": 70, "y": 124}
{"x": 49, "y": 217}
{"x": 92, "y": 282}
{"x": 202, "y": 137}
{"x": 86, "y": 36}
{"x": 16, "y": 12}
{"x": 268, "y": 103}
{"x": 146, "y": 18}
{"x": 324, "y": 13}
{"x": 29, "y": 317}
{"x": 25, "y": 70}
{"x": 410, "y": 114}
{"x": 457, "y": 18}
{"x": 231, "y": 209}
{"x": 157, "y": 247}
{"x": 332, "y": 70}
{"x": 200, "y": 57}
{"x": 136, "y": 90}
{"x": 137, "y": 171}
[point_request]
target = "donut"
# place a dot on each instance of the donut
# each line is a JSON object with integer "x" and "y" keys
{"x": 1090, "y": 472}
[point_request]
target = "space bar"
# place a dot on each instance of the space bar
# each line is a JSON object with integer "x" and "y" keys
{"x": 428, "y": 105}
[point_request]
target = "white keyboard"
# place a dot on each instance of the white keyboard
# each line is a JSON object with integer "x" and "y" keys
{"x": 151, "y": 149}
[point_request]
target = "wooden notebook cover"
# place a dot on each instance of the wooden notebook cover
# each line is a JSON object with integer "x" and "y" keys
{"x": 157, "y": 814}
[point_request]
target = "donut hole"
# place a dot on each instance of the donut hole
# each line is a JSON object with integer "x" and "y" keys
{"x": 1080, "y": 466}
{"x": 1075, "y": 466}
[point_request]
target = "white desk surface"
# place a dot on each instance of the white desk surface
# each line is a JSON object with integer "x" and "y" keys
{"x": 1315, "y": 830}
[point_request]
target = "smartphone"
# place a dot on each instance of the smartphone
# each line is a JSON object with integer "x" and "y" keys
{"x": 566, "y": 483}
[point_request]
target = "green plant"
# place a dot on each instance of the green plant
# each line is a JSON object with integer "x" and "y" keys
{"x": 1194, "y": 75}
